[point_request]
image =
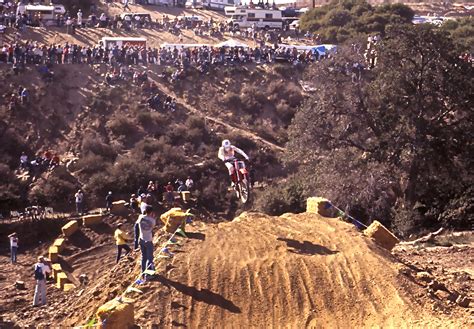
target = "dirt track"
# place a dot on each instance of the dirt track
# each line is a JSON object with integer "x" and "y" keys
{"x": 262, "y": 271}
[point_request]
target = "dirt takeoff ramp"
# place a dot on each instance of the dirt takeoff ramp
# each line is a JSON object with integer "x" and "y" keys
{"x": 293, "y": 271}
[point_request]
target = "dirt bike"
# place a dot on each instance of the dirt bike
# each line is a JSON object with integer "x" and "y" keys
{"x": 241, "y": 179}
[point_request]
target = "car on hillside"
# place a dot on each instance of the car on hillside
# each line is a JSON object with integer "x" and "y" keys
{"x": 193, "y": 4}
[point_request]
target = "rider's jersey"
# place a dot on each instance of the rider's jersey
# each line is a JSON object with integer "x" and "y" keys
{"x": 229, "y": 153}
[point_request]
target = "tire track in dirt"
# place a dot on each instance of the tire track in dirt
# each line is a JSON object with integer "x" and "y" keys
{"x": 293, "y": 272}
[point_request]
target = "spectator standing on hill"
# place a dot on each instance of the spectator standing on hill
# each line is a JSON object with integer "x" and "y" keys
{"x": 125, "y": 5}
{"x": 169, "y": 193}
{"x": 134, "y": 204}
{"x": 189, "y": 183}
{"x": 79, "y": 202}
{"x": 79, "y": 18}
{"x": 144, "y": 238}
{"x": 13, "y": 246}
{"x": 23, "y": 161}
{"x": 108, "y": 201}
{"x": 41, "y": 271}
{"x": 121, "y": 238}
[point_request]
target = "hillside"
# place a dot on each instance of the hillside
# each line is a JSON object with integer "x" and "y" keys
{"x": 256, "y": 271}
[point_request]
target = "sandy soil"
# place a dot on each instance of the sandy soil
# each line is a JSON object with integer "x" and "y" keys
{"x": 257, "y": 271}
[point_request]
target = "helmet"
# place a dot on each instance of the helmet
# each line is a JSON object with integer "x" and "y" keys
{"x": 226, "y": 143}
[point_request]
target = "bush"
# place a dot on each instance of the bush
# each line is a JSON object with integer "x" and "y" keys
{"x": 10, "y": 197}
{"x": 93, "y": 145}
{"x": 287, "y": 197}
{"x": 122, "y": 126}
{"x": 91, "y": 164}
{"x": 56, "y": 191}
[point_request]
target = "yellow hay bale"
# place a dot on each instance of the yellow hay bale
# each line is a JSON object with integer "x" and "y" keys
{"x": 59, "y": 243}
{"x": 68, "y": 286}
{"x": 53, "y": 253}
{"x": 186, "y": 196}
{"x": 61, "y": 279}
{"x": 320, "y": 206}
{"x": 70, "y": 228}
{"x": 119, "y": 208}
{"x": 56, "y": 268}
{"x": 91, "y": 220}
{"x": 117, "y": 314}
{"x": 381, "y": 235}
{"x": 174, "y": 218}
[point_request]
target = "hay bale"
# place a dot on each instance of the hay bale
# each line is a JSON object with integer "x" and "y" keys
{"x": 117, "y": 314}
{"x": 70, "y": 228}
{"x": 174, "y": 218}
{"x": 61, "y": 280}
{"x": 59, "y": 243}
{"x": 53, "y": 253}
{"x": 56, "y": 268}
{"x": 320, "y": 206}
{"x": 381, "y": 235}
{"x": 119, "y": 208}
{"x": 91, "y": 220}
{"x": 186, "y": 196}
{"x": 68, "y": 286}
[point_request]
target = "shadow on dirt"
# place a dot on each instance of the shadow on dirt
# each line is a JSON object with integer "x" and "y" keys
{"x": 202, "y": 295}
{"x": 306, "y": 247}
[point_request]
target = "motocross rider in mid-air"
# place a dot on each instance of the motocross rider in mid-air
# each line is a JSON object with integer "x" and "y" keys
{"x": 227, "y": 154}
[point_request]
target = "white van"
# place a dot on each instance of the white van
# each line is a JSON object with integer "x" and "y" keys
{"x": 262, "y": 18}
{"x": 219, "y": 4}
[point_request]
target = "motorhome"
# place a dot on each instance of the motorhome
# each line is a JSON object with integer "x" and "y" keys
{"x": 219, "y": 4}
{"x": 109, "y": 42}
{"x": 46, "y": 13}
{"x": 260, "y": 18}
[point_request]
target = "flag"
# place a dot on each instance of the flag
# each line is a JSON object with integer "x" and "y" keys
{"x": 181, "y": 232}
{"x": 149, "y": 272}
{"x": 132, "y": 289}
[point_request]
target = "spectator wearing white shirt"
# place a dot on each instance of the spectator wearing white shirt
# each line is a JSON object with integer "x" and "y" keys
{"x": 13, "y": 246}
{"x": 41, "y": 272}
{"x": 189, "y": 183}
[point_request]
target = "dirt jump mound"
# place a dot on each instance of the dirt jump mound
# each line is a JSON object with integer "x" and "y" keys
{"x": 292, "y": 271}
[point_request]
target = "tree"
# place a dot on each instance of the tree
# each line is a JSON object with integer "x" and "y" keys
{"x": 399, "y": 138}
{"x": 341, "y": 20}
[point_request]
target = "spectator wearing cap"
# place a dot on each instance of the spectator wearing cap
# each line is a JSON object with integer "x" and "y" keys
{"x": 121, "y": 238}
{"x": 13, "y": 246}
{"x": 108, "y": 201}
{"x": 41, "y": 271}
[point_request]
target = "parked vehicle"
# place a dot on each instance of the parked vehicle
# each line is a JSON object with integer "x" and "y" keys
{"x": 109, "y": 42}
{"x": 260, "y": 18}
{"x": 46, "y": 14}
{"x": 194, "y": 4}
{"x": 219, "y": 4}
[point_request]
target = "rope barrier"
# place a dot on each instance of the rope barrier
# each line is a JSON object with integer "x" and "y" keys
{"x": 163, "y": 249}
{"x": 354, "y": 221}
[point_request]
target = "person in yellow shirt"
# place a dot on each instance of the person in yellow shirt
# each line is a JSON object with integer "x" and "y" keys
{"x": 121, "y": 238}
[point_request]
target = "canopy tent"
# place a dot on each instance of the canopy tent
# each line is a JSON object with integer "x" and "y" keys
{"x": 232, "y": 43}
{"x": 324, "y": 49}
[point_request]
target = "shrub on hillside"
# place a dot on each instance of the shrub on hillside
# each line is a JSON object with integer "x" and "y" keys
{"x": 287, "y": 197}
{"x": 10, "y": 197}
{"x": 91, "y": 164}
{"x": 57, "y": 190}
{"x": 122, "y": 126}
{"x": 93, "y": 145}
